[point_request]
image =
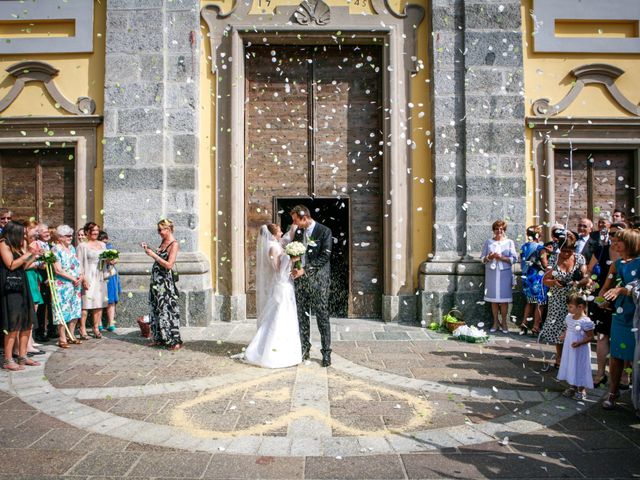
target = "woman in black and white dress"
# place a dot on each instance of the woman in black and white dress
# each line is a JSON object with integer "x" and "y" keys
{"x": 163, "y": 293}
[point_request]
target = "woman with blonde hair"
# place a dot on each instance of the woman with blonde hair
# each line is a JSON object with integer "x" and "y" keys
{"x": 163, "y": 294}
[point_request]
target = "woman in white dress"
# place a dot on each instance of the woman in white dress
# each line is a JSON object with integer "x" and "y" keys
{"x": 276, "y": 344}
{"x": 94, "y": 284}
{"x": 498, "y": 255}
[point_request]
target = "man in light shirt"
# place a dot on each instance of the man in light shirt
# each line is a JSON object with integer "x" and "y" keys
{"x": 583, "y": 245}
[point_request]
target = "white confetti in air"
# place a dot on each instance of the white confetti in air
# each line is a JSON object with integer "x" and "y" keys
{"x": 504, "y": 441}
{"x": 480, "y": 324}
{"x": 495, "y": 389}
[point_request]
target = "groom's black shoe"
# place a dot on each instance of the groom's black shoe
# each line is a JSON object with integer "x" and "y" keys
{"x": 326, "y": 358}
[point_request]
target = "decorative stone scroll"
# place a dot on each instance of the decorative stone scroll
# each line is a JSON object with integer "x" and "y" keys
{"x": 312, "y": 11}
{"x": 595, "y": 73}
{"x": 34, "y": 71}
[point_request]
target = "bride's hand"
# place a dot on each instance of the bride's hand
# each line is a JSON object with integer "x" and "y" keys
{"x": 296, "y": 273}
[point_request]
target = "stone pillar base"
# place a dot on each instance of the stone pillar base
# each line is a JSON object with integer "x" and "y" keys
{"x": 194, "y": 287}
{"x": 447, "y": 284}
{"x": 399, "y": 308}
{"x": 231, "y": 308}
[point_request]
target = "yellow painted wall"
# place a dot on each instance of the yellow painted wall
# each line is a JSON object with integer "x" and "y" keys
{"x": 422, "y": 188}
{"x": 81, "y": 75}
{"x": 547, "y": 75}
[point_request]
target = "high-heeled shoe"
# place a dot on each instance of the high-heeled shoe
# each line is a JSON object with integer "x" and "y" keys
{"x": 602, "y": 381}
{"x": 63, "y": 344}
{"x": 610, "y": 402}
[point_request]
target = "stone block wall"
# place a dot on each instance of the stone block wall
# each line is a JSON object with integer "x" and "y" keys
{"x": 478, "y": 147}
{"x": 150, "y": 144}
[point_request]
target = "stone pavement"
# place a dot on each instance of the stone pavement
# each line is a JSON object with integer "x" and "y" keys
{"x": 398, "y": 402}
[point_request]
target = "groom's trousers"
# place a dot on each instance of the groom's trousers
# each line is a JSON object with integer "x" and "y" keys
{"x": 313, "y": 299}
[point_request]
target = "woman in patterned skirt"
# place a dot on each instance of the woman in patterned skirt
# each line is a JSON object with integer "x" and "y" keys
{"x": 569, "y": 270}
{"x": 69, "y": 279}
{"x": 163, "y": 294}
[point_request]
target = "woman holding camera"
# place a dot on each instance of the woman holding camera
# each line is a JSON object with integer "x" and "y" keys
{"x": 163, "y": 294}
{"x": 568, "y": 271}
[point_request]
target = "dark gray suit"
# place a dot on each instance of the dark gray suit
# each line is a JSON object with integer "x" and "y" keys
{"x": 312, "y": 289}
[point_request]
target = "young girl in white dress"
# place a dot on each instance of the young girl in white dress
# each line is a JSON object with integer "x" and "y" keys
{"x": 575, "y": 363}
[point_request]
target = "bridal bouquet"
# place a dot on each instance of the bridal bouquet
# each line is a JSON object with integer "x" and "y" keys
{"x": 296, "y": 250}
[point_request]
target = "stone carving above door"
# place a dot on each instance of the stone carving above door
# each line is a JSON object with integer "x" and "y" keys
{"x": 315, "y": 11}
{"x": 35, "y": 71}
{"x": 595, "y": 73}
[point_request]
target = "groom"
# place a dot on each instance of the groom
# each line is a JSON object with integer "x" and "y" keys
{"x": 312, "y": 280}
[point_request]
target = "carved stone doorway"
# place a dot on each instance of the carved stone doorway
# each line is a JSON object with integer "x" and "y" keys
{"x": 314, "y": 130}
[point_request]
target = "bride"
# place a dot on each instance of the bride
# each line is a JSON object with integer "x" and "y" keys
{"x": 276, "y": 344}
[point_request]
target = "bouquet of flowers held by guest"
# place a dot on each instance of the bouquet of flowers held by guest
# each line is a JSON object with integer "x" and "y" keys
{"x": 47, "y": 258}
{"x": 106, "y": 260}
{"x": 295, "y": 250}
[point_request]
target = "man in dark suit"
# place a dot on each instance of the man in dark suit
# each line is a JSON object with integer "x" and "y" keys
{"x": 312, "y": 280}
{"x": 586, "y": 243}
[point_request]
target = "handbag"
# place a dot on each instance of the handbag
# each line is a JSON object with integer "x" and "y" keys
{"x": 13, "y": 282}
{"x": 175, "y": 275}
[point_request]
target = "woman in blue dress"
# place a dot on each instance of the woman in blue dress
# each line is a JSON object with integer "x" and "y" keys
{"x": 114, "y": 288}
{"x": 622, "y": 341}
{"x": 533, "y": 265}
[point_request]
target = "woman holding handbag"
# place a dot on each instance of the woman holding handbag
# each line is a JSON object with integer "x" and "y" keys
{"x": 164, "y": 319}
{"x": 16, "y": 305}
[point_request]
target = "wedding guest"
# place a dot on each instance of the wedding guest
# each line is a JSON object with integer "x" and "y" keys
{"x": 584, "y": 243}
{"x": 618, "y": 216}
{"x": 533, "y": 266}
{"x": 33, "y": 283}
{"x": 68, "y": 284}
{"x": 498, "y": 255}
{"x": 94, "y": 284}
{"x": 16, "y": 305}
{"x": 575, "y": 366}
{"x": 622, "y": 341}
{"x": 80, "y": 236}
{"x": 163, "y": 294}
{"x": 569, "y": 270}
{"x": 114, "y": 287}
{"x": 599, "y": 311}
{"x": 5, "y": 217}
{"x": 45, "y": 313}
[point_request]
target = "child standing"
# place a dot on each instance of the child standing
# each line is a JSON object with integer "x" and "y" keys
{"x": 575, "y": 364}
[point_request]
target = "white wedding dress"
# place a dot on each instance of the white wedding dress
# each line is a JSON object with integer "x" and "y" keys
{"x": 276, "y": 344}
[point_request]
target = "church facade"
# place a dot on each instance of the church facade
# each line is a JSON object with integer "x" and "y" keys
{"x": 407, "y": 128}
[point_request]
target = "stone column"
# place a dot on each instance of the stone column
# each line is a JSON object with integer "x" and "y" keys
{"x": 150, "y": 145}
{"x": 478, "y": 145}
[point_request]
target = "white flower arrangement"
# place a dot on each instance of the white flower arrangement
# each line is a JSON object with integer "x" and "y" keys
{"x": 296, "y": 250}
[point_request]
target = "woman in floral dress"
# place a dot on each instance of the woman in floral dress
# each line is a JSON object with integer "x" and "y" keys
{"x": 163, "y": 294}
{"x": 569, "y": 271}
{"x": 68, "y": 283}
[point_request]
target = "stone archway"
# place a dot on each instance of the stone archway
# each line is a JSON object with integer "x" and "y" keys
{"x": 313, "y": 23}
